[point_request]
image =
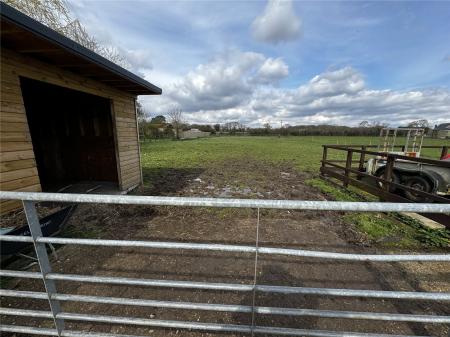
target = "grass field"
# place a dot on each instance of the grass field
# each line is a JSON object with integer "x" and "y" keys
{"x": 304, "y": 153}
{"x": 301, "y": 153}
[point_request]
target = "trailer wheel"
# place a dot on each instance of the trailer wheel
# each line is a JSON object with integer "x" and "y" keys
{"x": 419, "y": 183}
{"x": 394, "y": 178}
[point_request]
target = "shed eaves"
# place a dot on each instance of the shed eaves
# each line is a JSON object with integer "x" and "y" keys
{"x": 27, "y": 36}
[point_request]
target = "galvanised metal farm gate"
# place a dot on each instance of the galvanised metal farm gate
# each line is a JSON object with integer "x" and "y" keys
{"x": 51, "y": 294}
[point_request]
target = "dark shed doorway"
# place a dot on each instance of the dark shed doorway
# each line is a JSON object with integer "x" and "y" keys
{"x": 72, "y": 134}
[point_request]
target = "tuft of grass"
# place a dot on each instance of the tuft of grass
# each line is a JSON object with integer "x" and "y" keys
{"x": 389, "y": 230}
{"x": 384, "y": 230}
{"x": 430, "y": 237}
{"x": 336, "y": 193}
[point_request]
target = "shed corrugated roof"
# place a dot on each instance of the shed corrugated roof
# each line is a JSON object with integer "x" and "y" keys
{"x": 25, "y": 35}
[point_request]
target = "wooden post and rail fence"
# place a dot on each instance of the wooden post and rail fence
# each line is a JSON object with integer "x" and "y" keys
{"x": 383, "y": 185}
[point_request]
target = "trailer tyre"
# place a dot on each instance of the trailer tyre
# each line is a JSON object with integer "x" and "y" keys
{"x": 419, "y": 183}
{"x": 394, "y": 178}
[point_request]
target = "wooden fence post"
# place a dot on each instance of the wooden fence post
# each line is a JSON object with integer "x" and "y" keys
{"x": 388, "y": 172}
{"x": 362, "y": 159}
{"x": 444, "y": 152}
{"x": 324, "y": 158}
{"x": 348, "y": 166}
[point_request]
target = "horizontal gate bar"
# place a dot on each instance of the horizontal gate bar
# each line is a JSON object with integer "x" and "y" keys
{"x": 411, "y": 295}
{"x": 129, "y": 301}
{"x": 189, "y": 325}
{"x": 223, "y": 202}
{"x": 66, "y": 333}
{"x": 429, "y": 296}
{"x": 232, "y": 308}
{"x": 318, "y": 333}
{"x": 26, "y": 313}
{"x": 16, "y": 238}
{"x": 275, "y": 331}
{"x": 235, "y": 248}
{"x": 28, "y": 330}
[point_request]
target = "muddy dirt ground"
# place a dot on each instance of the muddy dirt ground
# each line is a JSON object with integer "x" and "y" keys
{"x": 278, "y": 228}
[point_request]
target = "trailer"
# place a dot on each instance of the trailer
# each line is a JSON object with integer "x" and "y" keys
{"x": 395, "y": 176}
{"x": 425, "y": 177}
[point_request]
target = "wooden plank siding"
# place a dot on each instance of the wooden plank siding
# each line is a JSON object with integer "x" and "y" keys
{"x": 18, "y": 169}
{"x": 18, "y": 166}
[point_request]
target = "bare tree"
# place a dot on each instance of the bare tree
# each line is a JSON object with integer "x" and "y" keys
{"x": 233, "y": 127}
{"x": 56, "y": 15}
{"x": 176, "y": 119}
{"x": 421, "y": 123}
{"x": 365, "y": 124}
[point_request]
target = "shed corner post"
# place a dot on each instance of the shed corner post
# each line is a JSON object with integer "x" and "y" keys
{"x": 116, "y": 143}
{"x": 138, "y": 141}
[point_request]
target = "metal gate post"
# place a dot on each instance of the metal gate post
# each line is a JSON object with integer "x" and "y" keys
{"x": 255, "y": 276}
{"x": 44, "y": 263}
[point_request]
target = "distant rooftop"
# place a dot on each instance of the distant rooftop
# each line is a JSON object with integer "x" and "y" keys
{"x": 444, "y": 126}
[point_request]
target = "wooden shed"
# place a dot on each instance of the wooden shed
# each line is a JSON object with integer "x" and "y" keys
{"x": 68, "y": 115}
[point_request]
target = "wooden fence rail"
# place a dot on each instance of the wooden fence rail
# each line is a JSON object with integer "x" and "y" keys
{"x": 382, "y": 186}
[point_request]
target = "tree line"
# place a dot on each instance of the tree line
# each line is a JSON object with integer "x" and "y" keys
{"x": 171, "y": 125}
{"x": 316, "y": 130}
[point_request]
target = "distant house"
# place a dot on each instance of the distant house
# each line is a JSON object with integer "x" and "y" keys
{"x": 193, "y": 133}
{"x": 442, "y": 131}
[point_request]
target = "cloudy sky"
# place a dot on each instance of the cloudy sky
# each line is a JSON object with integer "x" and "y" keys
{"x": 300, "y": 62}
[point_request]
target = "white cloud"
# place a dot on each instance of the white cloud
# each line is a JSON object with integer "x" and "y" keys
{"x": 139, "y": 59}
{"x": 227, "y": 89}
{"x": 345, "y": 80}
{"x": 277, "y": 23}
{"x": 220, "y": 84}
{"x": 340, "y": 97}
{"x": 227, "y": 82}
{"x": 272, "y": 70}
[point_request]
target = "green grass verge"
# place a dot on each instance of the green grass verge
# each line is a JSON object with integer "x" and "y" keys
{"x": 388, "y": 230}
